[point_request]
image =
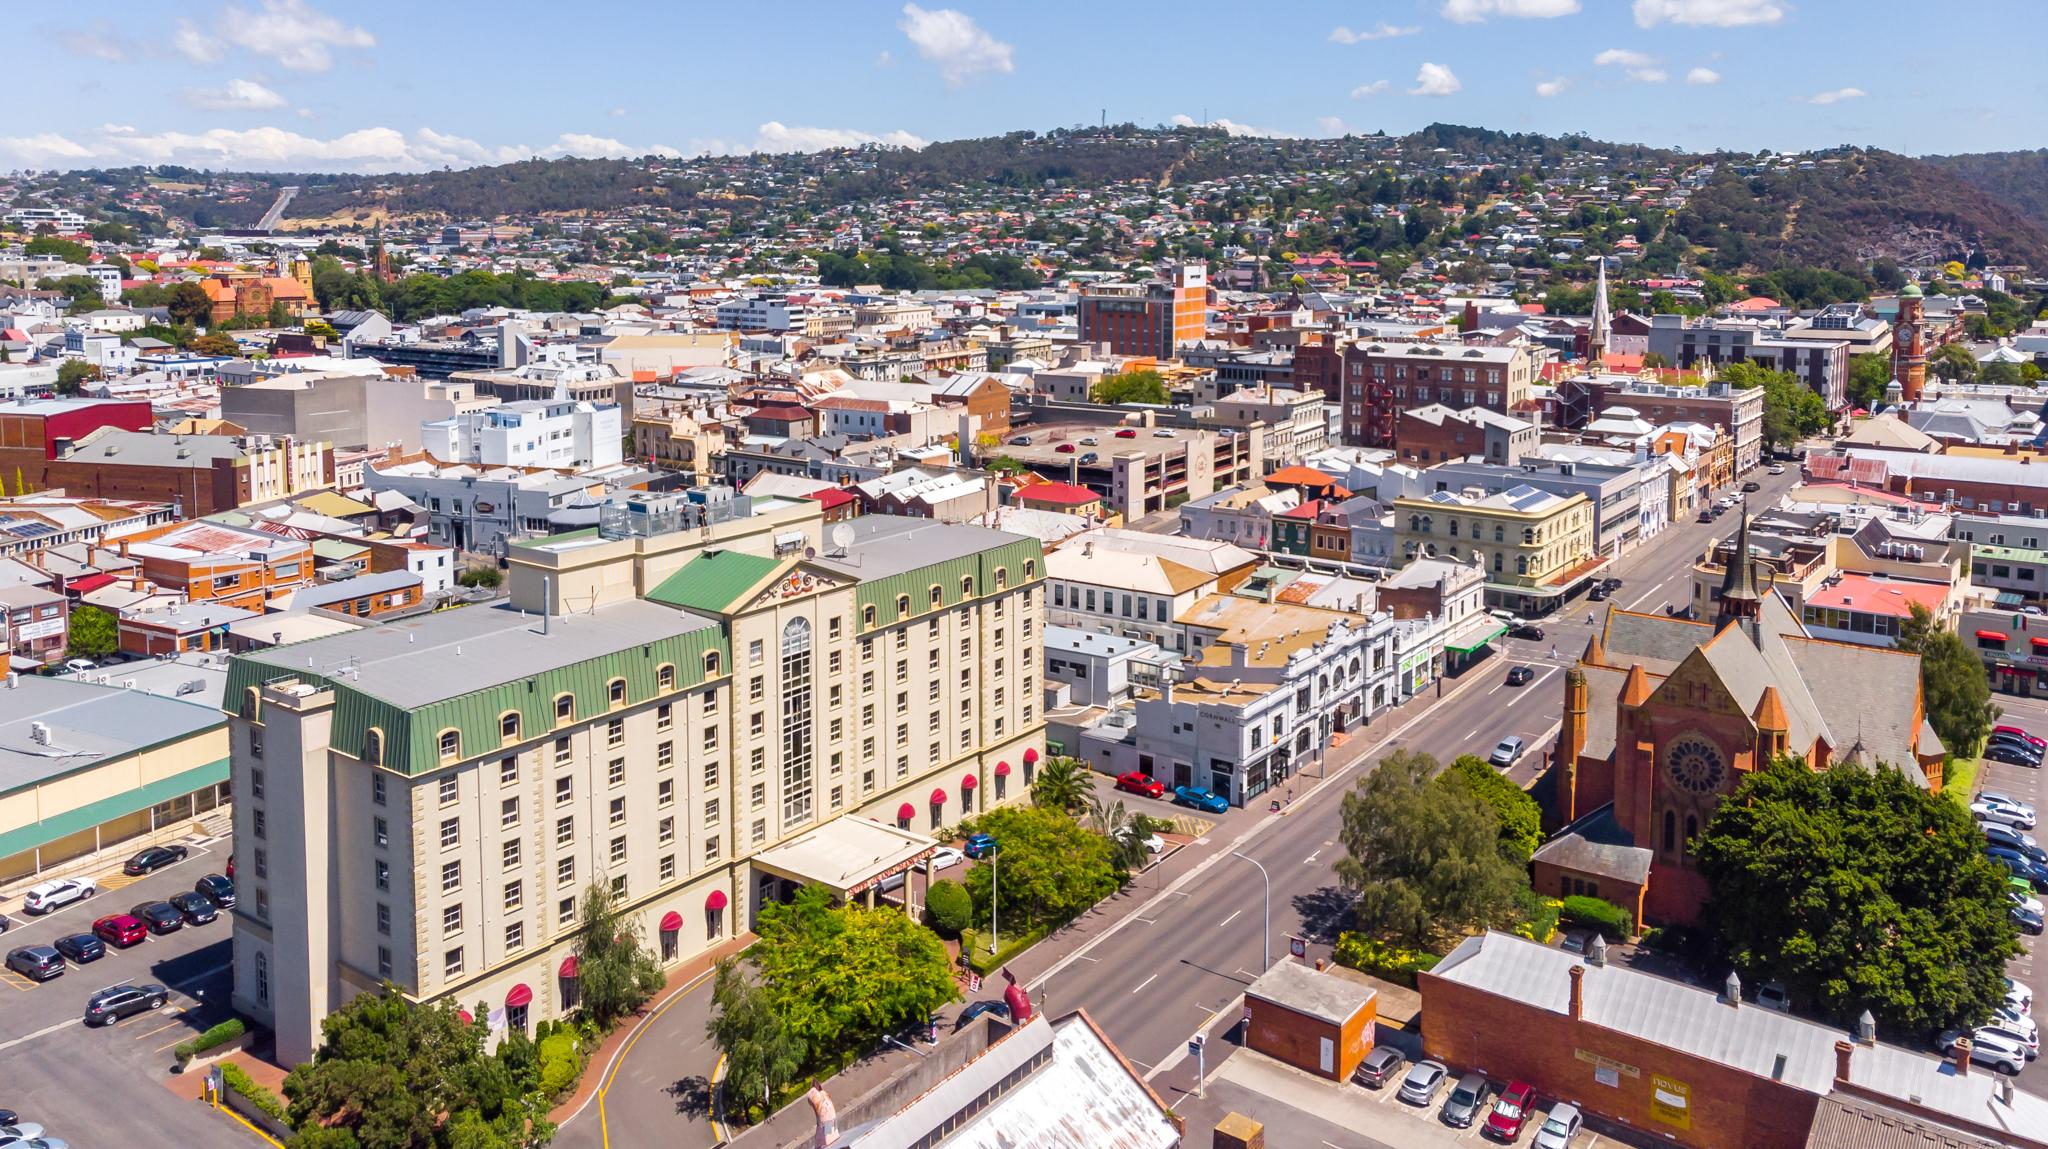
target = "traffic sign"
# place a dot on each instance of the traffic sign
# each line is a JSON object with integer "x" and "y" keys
{"x": 973, "y": 983}
{"x": 1196, "y": 1043}
{"x": 1297, "y": 947}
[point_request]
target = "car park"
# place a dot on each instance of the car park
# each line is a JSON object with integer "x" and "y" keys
{"x": 160, "y": 917}
{"x": 1139, "y": 782}
{"x": 2002, "y": 815}
{"x": 43, "y": 897}
{"x": 1560, "y": 1128}
{"x": 78, "y": 949}
{"x": 36, "y": 963}
{"x": 2012, "y": 839}
{"x": 1510, "y": 1112}
{"x": 1520, "y": 676}
{"x": 2013, "y": 754}
{"x": 153, "y": 859}
{"x": 1507, "y": 752}
{"x": 115, "y": 1002}
{"x": 218, "y": 890}
{"x": 197, "y": 909}
{"x": 2007, "y": 735}
{"x": 1989, "y": 1047}
{"x": 2006, "y": 801}
{"x": 1200, "y": 799}
{"x": 980, "y": 846}
{"x": 1467, "y": 1099}
{"x": 2021, "y": 733}
{"x": 119, "y": 930}
{"x": 2020, "y": 866}
{"x": 1422, "y": 1082}
{"x": 1379, "y": 1067}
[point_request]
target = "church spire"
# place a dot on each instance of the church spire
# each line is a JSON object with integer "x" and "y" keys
{"x": 1603, "y": 323}
{"x": 1739, "y": 597}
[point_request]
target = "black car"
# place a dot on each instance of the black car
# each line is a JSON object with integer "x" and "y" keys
{"x": 2027, "y": 920}
{"x": 1752, "y": 487}
{"x": 2021, "y": 866}
{"x": 153, "y": 859}
{"x": 975, "y": 1009}
{"x": 1611, "y": 582}
{"x": 1597, "y": 594}
{"x": 79, "y": 949}
{"x": 118, "y": 1001}
{"x": 1520, "y": 675}
{"x": 9, "y": 1117}
{"x": 2012, "y": 839}
{"x": 218, "y": 890}
{"x": 158, "y": 917}
{"x": 1528, "y": 631}
{"x": 196, "y": 907}
{"x": 2012, "y": 753}
{"x": 2016, "y": 741}
{"x": 36, "y": 963}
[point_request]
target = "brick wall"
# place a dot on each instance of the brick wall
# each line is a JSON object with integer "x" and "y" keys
{"x": 1297, "y": 1039}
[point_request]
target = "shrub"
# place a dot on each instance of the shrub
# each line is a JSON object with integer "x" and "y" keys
{"x": 561, "y": 1063}
{"x": 1390, "y": 962}
{"x": 213, "y": 1038}
{"x": 984, "y": 963}
{"x": 1613, "y": 922}
{"x": 234, "y": 1077}
{"x": 1539, "y": 917}
{"x": 948, "y": 907}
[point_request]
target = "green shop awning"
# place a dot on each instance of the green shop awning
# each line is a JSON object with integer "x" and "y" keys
{"x": 1473, "y": 640}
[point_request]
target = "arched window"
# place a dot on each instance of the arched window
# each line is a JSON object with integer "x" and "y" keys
{"x": 1522, "y": 564}
{"x": 903, "y": 604}
{"x": 1414, "y": 522}
{"x": 451, "y": 744}
{"x": 711, "y": 664}
{"x": 796, "y": 722}
{"x": 508, "y": 726}
{"x": 938, "y": 596}
{"x": 1498, "y": 559}
{"x": 1670, "y": 831}
{"x": 615, "y": 692}
{"x": 1499, "y": 533}
{"x": 867, "y": 616}
{"x": 373, "y": 746}
{"x": 1452, "y": 526}
{"x": 1002, "y": 578}
{"x": 565, "y": 708}
{"x": 252, "y": 703}
{"x": 1692, "y": 830}
{"x": 665, "y": 677}
{"x": 967, "y": 586}
{"x": 1528, "y": 536}
{"x": 1030, "y": 569}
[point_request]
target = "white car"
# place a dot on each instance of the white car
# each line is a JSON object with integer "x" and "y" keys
{"x": 2026, "y": 902}
{"x": 1773, "y": 995}
{"x": 1777, "y": 468}
{"x": 2001, "y": 815}
{"x": 43, "y": 897}
{"x": 1154, "y": 844}
{"x": 1559, "y": 1128}
{"x": 2001, "y": 1052}
{"x": 942, "y": 858}
{"x": 2013, "y": 1021}
{"x": 2007, "y": 801}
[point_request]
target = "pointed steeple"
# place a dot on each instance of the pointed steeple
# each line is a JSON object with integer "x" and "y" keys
{"x": 1635, "y": 689}
{"x": 1603, "y": 323}
{"x": 1739, "y": 597}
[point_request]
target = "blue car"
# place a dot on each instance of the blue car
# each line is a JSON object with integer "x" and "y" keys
{"x": 1200, "y": 799}
{"x": 2020, "y": 866}
{"x": 979, "y": 846}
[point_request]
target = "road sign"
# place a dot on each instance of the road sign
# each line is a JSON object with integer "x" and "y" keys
{"x": 1196, "y": 1043}
{"x": 973, "y": 983}
{"x": 1297, "y": 946}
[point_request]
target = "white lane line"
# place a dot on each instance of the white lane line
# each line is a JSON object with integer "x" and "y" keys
{"x": 43, "y": 1032}
{"x": 1146, "y": 982}
{"x": 1148, "y": 921}
{"x": 1228, "y": 920}
{"x": 1311, "y": 859}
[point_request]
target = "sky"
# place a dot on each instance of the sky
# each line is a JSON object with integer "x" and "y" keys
{"x": 372, "y": 85}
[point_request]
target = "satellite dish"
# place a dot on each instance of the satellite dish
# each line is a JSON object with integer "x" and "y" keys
{"x": 842, "y": 536}
{"x": 810, "y": 552}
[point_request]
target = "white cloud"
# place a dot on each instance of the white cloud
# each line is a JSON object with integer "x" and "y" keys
{"x": 1553, "y": 87}
{"x": 45, "y": 150}
{"x": 1709, "y": 13}
{"x": 1478, "y": 11}
{"x": 1333, "y": 126}
{"x": 618, "y": 113}
{"x": 1231, "y": 127}
{"x": 1648, "y": 75}
{"x": 291, "y": 33}
{"x": 951, "y": 39}
{"x": 1380, "y": 31}
{"x": 1703, "y": 76}
{"x": 1373, "y": 89}
{"x": 1434, "y": 80}
{"x": 237, "y": 96}
{"x": 1623, "y": 57}
{"x": 1837, "y": 96}
{"x": 376, "y": 149}
{"x": 778, "y": 137}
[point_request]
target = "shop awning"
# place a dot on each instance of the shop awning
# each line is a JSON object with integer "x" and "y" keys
{"x": 969, "y": 782}
{"x": 2040, "y": 642}
{"x": 673, "y": 921}
{"x": 905, "y": 812}
{"x": 1991, "y": 636}
{"x": 1030, "y": 756}
{"x": 1471, "y": 638}
{"x": 716, "y": 901}
{"x": 1002, "y": 769}
{"x": 467, "y": 1017}
{"x": 569, "y": 966}
{"x": 939, "y": 797}
{"x": 520, "y": 995}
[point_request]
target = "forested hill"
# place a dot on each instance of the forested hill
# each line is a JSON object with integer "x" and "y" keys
{"x": 2018, "y": 180}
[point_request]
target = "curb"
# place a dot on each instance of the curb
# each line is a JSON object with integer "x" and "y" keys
{"x": 718, "y": 1136}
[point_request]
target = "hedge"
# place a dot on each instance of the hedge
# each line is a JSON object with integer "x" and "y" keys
{"x": 219, "y": 1035}
{"x": 1391, "y": 963}
{"x": 234, "y": 1077}
{"x": 1613, "y": 922}
{"x": 983, "y": 962}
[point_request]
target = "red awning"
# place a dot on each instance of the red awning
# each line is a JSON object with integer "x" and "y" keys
{"x": 969, "y": 782}
{"x": 86, "y": 584}
{"x": 519, "y": 996}
{"x": 906, "y": 812}
{"x": 1030, "y": 756}
{"x": 716, "y": 901}
{"x": 671, "y": 922}
{"x": 569, "y": 966}
{"x": 467, "y": 1017}
{"x": 2039, "y": 641}
{"x": 1990, "y": 636}
{"x": 1002, "y": 769}
{"x": 938, "y": 797}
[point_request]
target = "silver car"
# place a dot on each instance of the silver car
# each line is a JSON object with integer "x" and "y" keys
{"x": 1467, "y": 1098}
{"x": 1422, "y": 1082}
{"x": 1559, "y": 1128}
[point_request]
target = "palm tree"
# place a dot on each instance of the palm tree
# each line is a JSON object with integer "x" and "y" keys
{"x": 1125, "y": 833}
{"x": 1062, "y": 784}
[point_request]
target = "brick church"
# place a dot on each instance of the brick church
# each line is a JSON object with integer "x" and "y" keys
{"x": 1664, "y": 717}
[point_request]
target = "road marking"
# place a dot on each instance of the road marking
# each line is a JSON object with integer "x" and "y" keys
{"x": 611, "y": 1069}
{"x": 1311, "y": 859}
{"x": 161, "y": 1028}
{"x": 46, "y": 1031}
{"x": 1146, "y": 982}
{"x": 1473, "y": 733}
{"x": 1228, "y": 920}
{"x": 1147, "y": 921}
{"x": 1090, "y": 959}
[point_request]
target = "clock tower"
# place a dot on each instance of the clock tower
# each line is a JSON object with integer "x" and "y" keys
{"x": 1909, "y": 343}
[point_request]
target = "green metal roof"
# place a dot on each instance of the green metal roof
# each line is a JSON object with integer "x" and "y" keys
{"x": 337, "y": 549}
{"x": 68, "y": 822}
{"x": 2009, "y": 554}
{"x": 714, "y": 581}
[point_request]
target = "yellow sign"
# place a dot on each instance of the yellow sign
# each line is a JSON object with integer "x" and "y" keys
{"x": 1599, "y": 1062}
{"x": 1671, "y": 1101}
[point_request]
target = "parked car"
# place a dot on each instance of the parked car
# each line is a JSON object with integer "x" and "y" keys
{"x": 1751, "y": 487}
{"x": 1139, "y": 782}
{"x": 2022, "y": 734}
{"x": 1089, "y": 441}
{"x": 153, "y": 859}
{"x": 1575, "y": 941}
{"x": 2016, "y": 754}
{"x": 1089, "y": 457}
{"x": 1597, "y": 594}
{"x": 118, "y": 1001}
{"x": 1127, "y": 433}
{"x": 1988, "y": 1047}
{"x": 2015, "y": 1021}
{"x": 1559, "y": 1128}
{"x": 15, "y": 1131}
{"x": 2001, "y": 815}
{"x": 2013, "y": 839}
{"x": 980, "y": 846}
{"x": 160, "y": 917}
{"x": 1527, "y": 630}
{"x": 2020, "y": 866}
{"x": 1065, "y": 448}
{"x": 2007, "y": 801}
{"x": 1020, "y": 440}
{"x": 196, "y": 908}
{"x": 976, "y": 1009}
{"x": 1510, "y": 1112}
{"x": 942, "y": 858}
{"x": 37, "y": 1143}
{"x": 8, "y": 1117}
{"x": 2029, "y": 1040}
{"x": 1467, "y": 1098}
{"x": 2020, "y": 995}
{"x": 36, "y": 963}
{"x": 2029, "y": 921}
{"x": 1777, "y": 468}
{"x": 119, "y": 930}
{"x": 2024, "y": 899}
{"x": 1773, "y": 995}
{"x": 1379, "y": 1067}
{"x": 220, "y": 891}
{"x": 1200, "y": 799}
{"x": 43, "y": 897}
{"x": 1507, "y": 752}
{"x": 79, "y": 949}
{"x": 1520, "y": 675}
{"x": 1422, "y": 1082}
{"x": 1706, "y": 516}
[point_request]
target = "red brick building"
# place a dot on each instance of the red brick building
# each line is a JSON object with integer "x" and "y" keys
{"x": 1148, "y": 320}
{"x": 32, "y": 432}
{"x": 1381, "y": 379}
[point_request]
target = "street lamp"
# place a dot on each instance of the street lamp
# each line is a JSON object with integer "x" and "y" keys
{"x": 1267, "y": 946}
{"x": 995, "y": 849}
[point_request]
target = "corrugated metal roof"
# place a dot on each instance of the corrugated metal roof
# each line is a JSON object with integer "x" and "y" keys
{"x": 714, "y": 580}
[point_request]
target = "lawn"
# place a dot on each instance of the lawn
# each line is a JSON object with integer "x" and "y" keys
{"x": 1959, "y": 779}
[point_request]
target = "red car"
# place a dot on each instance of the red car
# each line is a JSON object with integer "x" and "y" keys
{"x": 121, "y": 930}
{"x": 1138, "y": 782}
{"x": 1510, "y": 1111}
{"x": 1127, "y": 433}
{"x": 2022, "y": 735}
{"x": 1065, "y": 448}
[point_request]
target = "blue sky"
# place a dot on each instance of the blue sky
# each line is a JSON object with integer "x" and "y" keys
{"x": 374, "y": 85}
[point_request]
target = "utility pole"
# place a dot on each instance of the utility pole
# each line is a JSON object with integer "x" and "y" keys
{"x": 1267, "y": 940}
{"x": 994, "y": 872}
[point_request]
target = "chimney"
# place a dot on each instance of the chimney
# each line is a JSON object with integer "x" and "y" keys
{"x": 1866, "y": 1029}
{"x": 1960, "y": 1054}
{"x": 1596, "y": 953}
{"x": 1577, "y": 1008}
{"x": 1843, "y": 1051}
{"x": 1731, "y": 991}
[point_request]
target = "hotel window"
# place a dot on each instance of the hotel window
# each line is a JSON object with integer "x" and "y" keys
{"x": 562, "y": 751}
{"x": 384, "y": 919}
{"x": 867, "y": 650}
{"x": 377, "y": 789}
{"x": 667, "y": 830}
{"x": 259, "y": 823}
{"x": 758, "y": 796}
{"x": 664, "y": 756}
{"x": 451, "y": 877}
{"x": 380, "y": 832}
{"x": 565, "y": 830}
{"x": 451, "y": 962}
{"x": 665, "y": 793}
{"x": 262, "y": 863}
{"x": 384, "y": 962}
{"x": 665, "y": 677}
{"x": 615, "y": 773}
{"x": 615, "y": 692}
{"x": 760, "y": 830}
{"x": 451, "y": 833}
{"x": 565, "y": 871}
{"x": 515, "y": 936}
{"x": 615, "y": 732}
{"x": 451, "y": 920}
{"x": 508, "y": 772}
{"x": 256, "y": 783}
{"x": 565, "y": 788}
{"x": 757, "y": 722}
{"x": 565, "y": 911}
{"x": 664, "y": 716}
{"x": 510, "y": 853}
{"x": 565, "y": 708}
{"x": 618, "y": 811}
{"x": 754, "y": 652}
{"x": 515, "y": 895}
{"x": 508, "y": 812}
{"x": 710, "y": 664}
{"x": 711, "y": 738}
{"x": 451, "y": 744}
{"x": 508, "y": 727}
{"x": 711, "y": 848}
{"x": 757, "y": 759}
{"x": 710, "y": 775}
{"x": 755, "y": 689}
{"x": 618, "y": 849}
{"x": 668, "y": 867}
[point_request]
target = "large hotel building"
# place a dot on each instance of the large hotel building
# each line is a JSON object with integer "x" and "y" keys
{"x": 703, "y": 713}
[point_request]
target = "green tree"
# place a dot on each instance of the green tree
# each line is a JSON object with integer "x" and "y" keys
{"x": 1954, "y": 687}
{"x": 73, "y": 374}
{"x": 215, "y": 343}
{"x": 1520, "y": 818}
{"x": 188, "y": 303}
{"x": 1869, "y": 375}
{"x": 1145, "y": 386}
{"x": 761, "y": 1055}
{"x": 948, "y": 907}
{"x": 64, "y": 249}
{"x": 93, "y": 632}
{"x": 1124, "y": 833}
{"x": 320, "y": 328}
{"x": 839, "y": 977}
{"x": 1792, "y": 410}
{"x": 614, "y": 971}
{"x": 1424, "y": 861}
{"x": 1051, "y": 868}
{"x": 2001, "y": 375}
{"x": 1954, "y": 363}
{"x": 1859, "y": 889}
{"x": 1061, "y": 784}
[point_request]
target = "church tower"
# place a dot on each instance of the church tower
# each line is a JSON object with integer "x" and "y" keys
{"x": 1603, "y": 324}
{"x": 1740, "y": 600}
{"x": 1909, "y": 344}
